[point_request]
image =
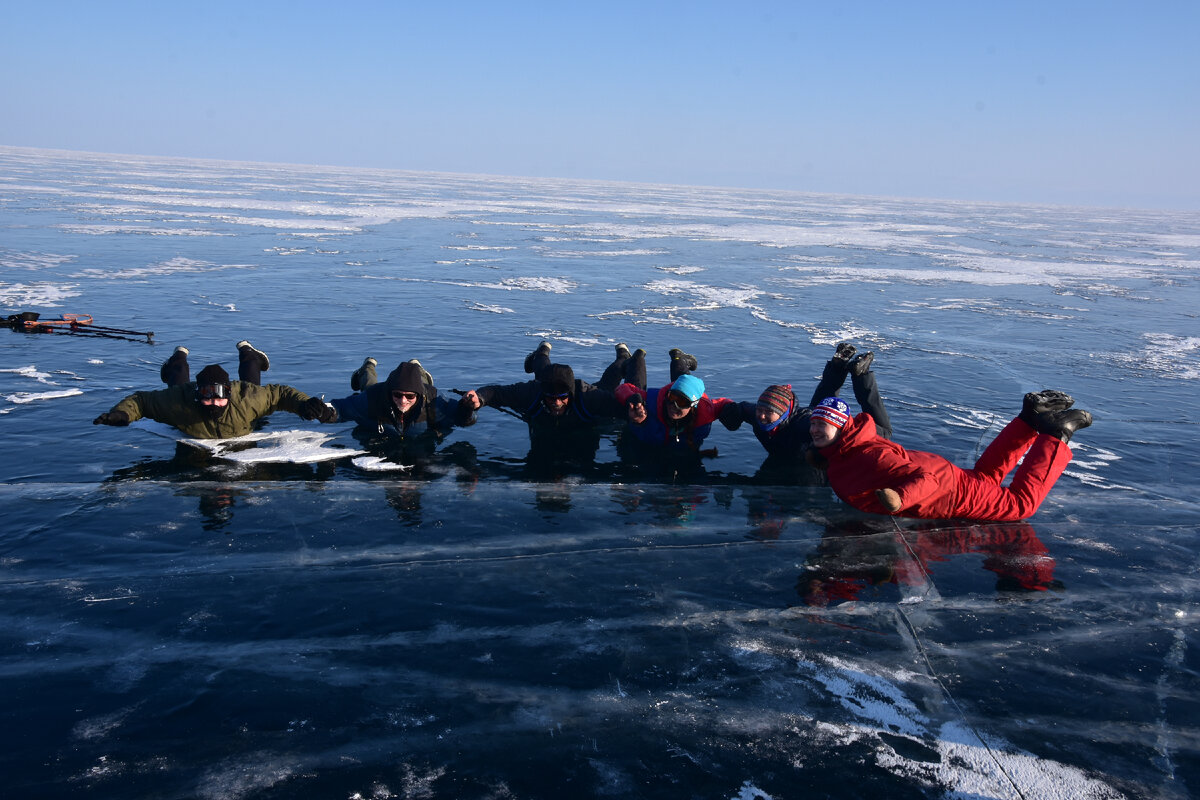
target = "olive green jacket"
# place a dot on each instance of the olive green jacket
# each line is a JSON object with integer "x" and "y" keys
{"x": 179, "y": 407}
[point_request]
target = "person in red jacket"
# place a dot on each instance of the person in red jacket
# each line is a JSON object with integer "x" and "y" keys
{"x": 877, "y": 475}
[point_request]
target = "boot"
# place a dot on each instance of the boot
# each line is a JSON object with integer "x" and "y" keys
{"x": 361, "y": 377}
{"x": 175, "y": 369}
{"x": 542, "y": 349}
{"x": 1036, "y": 403}
{"x": 1062, "y": 424}
{"x": 425, "y": 376}
{"x": 861, "y": 364}
{"x": 623, "y": 351}
{"x": 264, "y": 362}
{"x": 844, "y": 352}
{"x": 682, "y": 363}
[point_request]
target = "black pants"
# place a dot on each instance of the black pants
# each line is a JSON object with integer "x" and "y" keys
{"x": 866, "y": 393}
{"x": 176, "y": 372}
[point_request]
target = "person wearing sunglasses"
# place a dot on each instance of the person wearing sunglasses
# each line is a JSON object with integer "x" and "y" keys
{"x": 563, "y": 412}
{"x": 678, "y": 416}
{"x": 214, "y": 407}
{"x": 781, "y": 425}
{"x": 406, "y": 404}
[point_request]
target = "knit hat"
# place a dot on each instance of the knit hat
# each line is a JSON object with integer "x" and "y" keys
{"x": 689, "y": 386}
{"x": 778, "y": 399}
{"x": 211, "y": 375}
{"x": 833, "y": 410}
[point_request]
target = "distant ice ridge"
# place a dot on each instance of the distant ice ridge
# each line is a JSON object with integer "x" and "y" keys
{"x": 30, "y": 372}
{"x": 31, "y": 261}
{"x": 523, "y": 284}
{"x": 36, "y": 294}
{"x": 170, "y": 267}
{"x": 30, "y": 397}
{"x": 1166, "y": 354}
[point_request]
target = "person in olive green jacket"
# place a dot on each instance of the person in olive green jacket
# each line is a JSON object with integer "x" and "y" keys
{"x": 214, "y": 407}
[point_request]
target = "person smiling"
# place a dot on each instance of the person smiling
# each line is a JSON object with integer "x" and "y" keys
{"x": 562, "y": 412}
{"x": 405, "y": 404}
{"x": 678, "y": 416}
{"x": 879, "y": 476}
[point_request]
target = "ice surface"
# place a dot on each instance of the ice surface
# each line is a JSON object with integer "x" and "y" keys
{"x": 448, "y": 618}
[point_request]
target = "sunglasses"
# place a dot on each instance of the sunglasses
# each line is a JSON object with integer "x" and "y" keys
{"x": 411, "y": 396}
{"x": 213, "y": 391}
{"x": 681, "y": 401}
{"x": 555, "y": 398}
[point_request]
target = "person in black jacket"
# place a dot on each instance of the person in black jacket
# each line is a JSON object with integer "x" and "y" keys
{"x": 563, "y": 412}
{"x": 781, "y": 425}
{"x": 406, "y": 404}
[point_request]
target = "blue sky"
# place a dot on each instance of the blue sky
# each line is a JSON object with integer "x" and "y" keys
{"x": 1090, "y": 103}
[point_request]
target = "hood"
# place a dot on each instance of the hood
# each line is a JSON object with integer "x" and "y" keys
{"x": 860, "y": 428}
{"x": 557, "y": 379}
{"x": 408, "y": 377}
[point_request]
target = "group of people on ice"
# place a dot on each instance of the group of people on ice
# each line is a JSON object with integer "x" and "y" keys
{"x": 853, "y": 453}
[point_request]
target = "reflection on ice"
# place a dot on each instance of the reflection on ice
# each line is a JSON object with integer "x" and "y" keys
{"x": 472, "y": 622}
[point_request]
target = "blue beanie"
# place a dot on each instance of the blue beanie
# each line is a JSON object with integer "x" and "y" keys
{"x": 689, "y": 386}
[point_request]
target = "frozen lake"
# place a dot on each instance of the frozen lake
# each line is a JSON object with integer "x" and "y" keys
{"x": 179, "y": 626}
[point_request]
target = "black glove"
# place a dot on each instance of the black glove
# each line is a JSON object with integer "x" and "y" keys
{"x": 112, "y": 418}
{"x": 731, "y": 416}
{"x": 313, "y": 408}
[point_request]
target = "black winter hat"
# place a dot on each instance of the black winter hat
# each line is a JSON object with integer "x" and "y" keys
{"x": 211, "y": 375}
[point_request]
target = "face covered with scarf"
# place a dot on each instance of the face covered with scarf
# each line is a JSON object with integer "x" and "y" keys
{"x": 213, "y": 391}
{"x": 774, "y": 407}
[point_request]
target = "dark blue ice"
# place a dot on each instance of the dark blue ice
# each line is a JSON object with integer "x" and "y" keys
{"x": 182, "y": 626}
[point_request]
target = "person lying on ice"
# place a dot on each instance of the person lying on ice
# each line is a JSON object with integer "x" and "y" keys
{"x": 405, "y": 404}
{"x": 678, "y": 416}
{"x": 214, "y": 407}
{"x": 563, "y": 412}
{"x": 879, "y": 476}
{"x": 781, "y": 425}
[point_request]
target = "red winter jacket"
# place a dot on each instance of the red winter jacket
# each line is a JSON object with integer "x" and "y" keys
{"x": 861, "y": 461}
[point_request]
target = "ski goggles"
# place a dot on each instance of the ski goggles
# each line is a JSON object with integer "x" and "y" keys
{"x": 681, "y": 400}
{"x": 213, "y": 391}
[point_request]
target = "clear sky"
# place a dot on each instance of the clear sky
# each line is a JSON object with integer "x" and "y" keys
{"x": 1091, "y": 103}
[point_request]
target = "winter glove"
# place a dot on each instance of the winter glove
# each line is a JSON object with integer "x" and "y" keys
{"x": 112, "y": 418}
{"x": 731, "y": 416}
{"x": 890, "y": 499}
{"x": 314, "y": 408}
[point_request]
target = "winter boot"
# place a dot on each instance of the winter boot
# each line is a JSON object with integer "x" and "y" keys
{"x": 543, "y": 350}
{"x": 1062, "y": 424}
{"x": 682, "y": 363}
{"x": 263, "y": 361}
{"x": 1036, "y": 403}
{"x": 364, "y": 376}
{"x": 861, "y": 364}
